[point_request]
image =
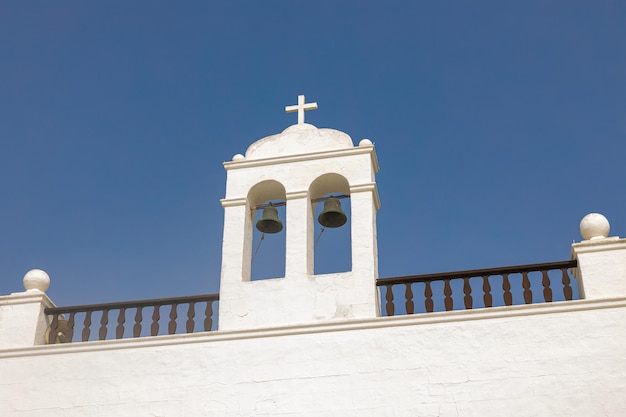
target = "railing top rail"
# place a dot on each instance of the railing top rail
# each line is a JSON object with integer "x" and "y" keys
{"x": 478, "y": 272}
{"x": 133, "y": 304}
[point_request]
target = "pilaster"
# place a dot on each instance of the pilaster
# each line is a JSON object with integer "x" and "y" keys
{"x": 23, "y": 322}
{"x": 601, "y": 271}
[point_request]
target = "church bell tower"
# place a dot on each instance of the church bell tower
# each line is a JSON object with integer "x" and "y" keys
{"x": 299, "y": 168}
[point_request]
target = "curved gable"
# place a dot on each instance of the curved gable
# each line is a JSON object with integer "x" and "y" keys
{"x": 297, "y": 140}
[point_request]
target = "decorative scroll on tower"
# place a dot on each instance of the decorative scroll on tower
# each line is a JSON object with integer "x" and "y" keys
{"x": 299, "y": 166}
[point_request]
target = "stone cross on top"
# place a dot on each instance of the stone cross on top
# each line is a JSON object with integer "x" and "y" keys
{"x": 301, "y": 107}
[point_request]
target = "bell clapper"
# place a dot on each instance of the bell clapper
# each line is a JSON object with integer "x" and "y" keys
{"x": 319, "y": 236}
{"x": 258, "y": 247}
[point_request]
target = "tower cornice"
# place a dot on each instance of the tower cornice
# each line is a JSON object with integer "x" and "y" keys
{"x": 243, "y": 163}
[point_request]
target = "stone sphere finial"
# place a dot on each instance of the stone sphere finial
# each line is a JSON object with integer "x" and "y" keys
{"x": 594, "y": 226}
{"x": 365, "y": 142}
{"x": 36, "y": 279}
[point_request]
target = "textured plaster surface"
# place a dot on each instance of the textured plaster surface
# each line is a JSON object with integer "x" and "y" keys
{"x": 552, "y": 362}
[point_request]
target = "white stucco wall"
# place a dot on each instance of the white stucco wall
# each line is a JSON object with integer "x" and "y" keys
{"x": 561, "y": 359}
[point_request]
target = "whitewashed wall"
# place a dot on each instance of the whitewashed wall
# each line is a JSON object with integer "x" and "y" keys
{"x": 561, "y": 359}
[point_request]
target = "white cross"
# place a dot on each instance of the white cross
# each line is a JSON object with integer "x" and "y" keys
{"x": 301, "y": 107}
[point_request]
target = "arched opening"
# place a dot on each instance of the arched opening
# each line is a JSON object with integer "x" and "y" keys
{"x": 268, "y": 230}
{"x": 332, "y": 245}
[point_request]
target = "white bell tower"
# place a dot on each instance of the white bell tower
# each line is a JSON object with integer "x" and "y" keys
{"x": 299, "y": 166}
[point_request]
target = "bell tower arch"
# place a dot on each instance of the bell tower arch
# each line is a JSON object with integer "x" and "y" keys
{"x": 298, "y": 167}
{"x": 328, "y": 192}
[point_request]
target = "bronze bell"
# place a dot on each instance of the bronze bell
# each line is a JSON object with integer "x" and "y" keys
{"x": 332, "y": 215}
{"x": 269, "y": 221}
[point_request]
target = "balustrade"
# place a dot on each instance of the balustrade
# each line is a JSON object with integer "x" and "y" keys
{"x": 442, "y": 290}
{"x": 64, "y": 319}
{"x": 523, "y": 284}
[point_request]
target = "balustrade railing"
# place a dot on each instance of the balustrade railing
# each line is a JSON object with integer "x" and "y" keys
{"x": 439, "y": 292}
{"x": 112, "y": 316}
{"x": 511, "y": 285}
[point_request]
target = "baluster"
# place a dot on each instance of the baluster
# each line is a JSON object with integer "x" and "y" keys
{"x": 86, "y": 329}
{"x": 154, "y": 328}
{"x": 528, "y": 295}
{"x": 467, "y": 290}
{"x": 428, "y": 301}
{"x": 487, "y": 299}
{"x": 567, "y": 290}
{"x": 70, "y": 329}
{"x": 52, "y": 336}
{"x": 121, "y": 319}
{"x": 545, "y": 281}
{"x": 389, "y": 307}
{"x": 408, "y": 294}
{"x": 447, "y": 291}
{"x": 171, "y": 327}
{"x": 208, "y": 318}
{"x": 191, "y": 313}
{"x": 506, "y": 286}
{"x": 103, "y": 324}
{"x": 138, "y": 319}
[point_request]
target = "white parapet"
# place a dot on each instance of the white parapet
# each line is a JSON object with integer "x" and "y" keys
{"x": 601, "y": 271}
{"x": 23, "y": 322}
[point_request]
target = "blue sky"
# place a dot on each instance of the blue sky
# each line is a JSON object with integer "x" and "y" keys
{"x": 498, "y": 126}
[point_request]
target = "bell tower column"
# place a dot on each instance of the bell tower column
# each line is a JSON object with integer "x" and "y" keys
{"x": 365, "y": 203}
{"x": 237, "y": 241}
{"x": 299, "y": 256}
